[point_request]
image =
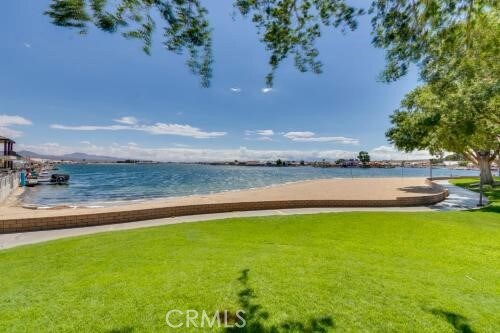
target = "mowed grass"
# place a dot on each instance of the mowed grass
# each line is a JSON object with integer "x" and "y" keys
{"x": 371, "y": 272}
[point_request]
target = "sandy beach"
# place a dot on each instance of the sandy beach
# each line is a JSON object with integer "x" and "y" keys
{"x": 375, "y": 189}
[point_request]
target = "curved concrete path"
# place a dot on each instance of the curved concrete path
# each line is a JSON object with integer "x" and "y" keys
{"x": 458, "y": 199}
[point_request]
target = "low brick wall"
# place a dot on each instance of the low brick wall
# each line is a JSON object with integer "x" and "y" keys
{"x": 92, "y": 219}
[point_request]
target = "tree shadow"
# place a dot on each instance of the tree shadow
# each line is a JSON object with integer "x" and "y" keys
{"x": 490, "y": 209}
{"x": 256, "y": 317}
{"x": 417, "y": 189}
{"x": 459, "y": 322}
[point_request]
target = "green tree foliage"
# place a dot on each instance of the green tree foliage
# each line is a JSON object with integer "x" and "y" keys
{"x": 185, "y": 25}
{"x": 287, "y": 27}
{"x": 454, "y": 157}
{"x": 418, "y": 31}
{"x": 291, "y": 27}
{"x": 409, "y": 30}
{"x": 458, "y": 107}
{"x": 364, "y": 157}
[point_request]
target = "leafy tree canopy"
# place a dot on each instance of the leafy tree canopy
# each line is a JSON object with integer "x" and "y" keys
{"x": 291, "y": 27}
{"x": 287, "y": 27}
{"x": 364, "y": 157}
{"x": 186, "y": 28}
{"x": 458, "y": 108}
{"x": 418, "y": 31}
{"x": 408, "y": 29}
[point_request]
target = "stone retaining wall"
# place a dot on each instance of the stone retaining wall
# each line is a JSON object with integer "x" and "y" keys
{"x": 91, "y": 219}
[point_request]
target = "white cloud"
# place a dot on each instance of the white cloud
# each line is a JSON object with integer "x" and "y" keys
{"x": 298, "y": 135}
{"x": 85, "y": 142}
{"x": 10, "y": 133}
{"x": 266, "y": 90}
{"x": 90, "y": 127}
{"x": 181, "y": 130}
{"x": 6, "y": 121}
{"x": 391, "y": 153}
{"x": 185, "y": 154}
{"x": 27, "y": 45}
{"x": 50, "y": 148}
{"x": 236, "y": 89}
{"x": 266, "y": 132}
{"x": 156, "y": 129}
{"x": 308, "y": 136}
{"x": 126, "y": 120}
{"x": 259, "y": 135}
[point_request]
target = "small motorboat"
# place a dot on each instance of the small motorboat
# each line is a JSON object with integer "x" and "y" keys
{"x": 47, "y": 178}
{"x": 30, "y": 182}
{"x": 44, "y": 177}
{"x": 59, "y": 179}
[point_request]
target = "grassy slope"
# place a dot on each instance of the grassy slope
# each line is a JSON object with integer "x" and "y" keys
{"x": 432, "y": 272}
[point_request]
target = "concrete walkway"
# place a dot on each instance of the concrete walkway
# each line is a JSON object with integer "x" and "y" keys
{"x": 459, "y": 199}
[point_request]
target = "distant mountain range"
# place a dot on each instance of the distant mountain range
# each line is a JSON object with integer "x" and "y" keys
{"x": 77, "y": 157}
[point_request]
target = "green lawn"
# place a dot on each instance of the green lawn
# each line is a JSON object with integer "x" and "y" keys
{"x": 492, "y": 192}
{"x": 344, "y": 272}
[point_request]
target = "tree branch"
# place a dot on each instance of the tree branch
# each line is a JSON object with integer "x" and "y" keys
{"x": 471, "y": 156}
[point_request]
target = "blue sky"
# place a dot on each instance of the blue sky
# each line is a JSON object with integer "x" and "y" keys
{"x": 99, "y": 93}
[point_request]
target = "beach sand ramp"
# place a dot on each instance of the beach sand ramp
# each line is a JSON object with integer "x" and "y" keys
{"x": 358, "y": 192}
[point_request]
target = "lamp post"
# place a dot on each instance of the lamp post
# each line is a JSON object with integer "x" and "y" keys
{"x": 430, "y": 168}
{"x": 480, "y": 204}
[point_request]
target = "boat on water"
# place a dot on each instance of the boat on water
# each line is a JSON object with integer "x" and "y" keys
{"x": 47, "y": 177}
{"x": 44, "y": 176}
{"x": 31, "y": 181}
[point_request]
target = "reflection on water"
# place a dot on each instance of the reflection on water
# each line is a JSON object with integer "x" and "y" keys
{"x": 97, "y": 184}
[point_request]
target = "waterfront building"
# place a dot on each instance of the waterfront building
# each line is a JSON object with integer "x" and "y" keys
{"x": 7, "y": 154}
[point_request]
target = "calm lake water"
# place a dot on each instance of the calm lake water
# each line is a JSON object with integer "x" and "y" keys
{"x": 102, "y": 184}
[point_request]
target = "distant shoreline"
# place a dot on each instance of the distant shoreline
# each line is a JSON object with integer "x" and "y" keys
{"x": 396, "y": 164}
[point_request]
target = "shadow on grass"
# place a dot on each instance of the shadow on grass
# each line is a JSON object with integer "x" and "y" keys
{"x": 490, "y": 209}
{"x": 459, "y": 322}
{"x": 492, "y": 192}
{"x": 256, "y": 317}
